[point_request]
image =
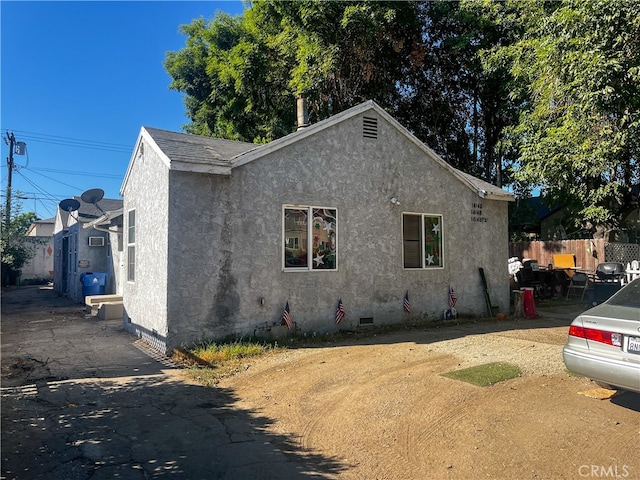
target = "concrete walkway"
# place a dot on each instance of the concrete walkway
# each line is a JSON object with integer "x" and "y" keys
{"x": 82, "y": 399}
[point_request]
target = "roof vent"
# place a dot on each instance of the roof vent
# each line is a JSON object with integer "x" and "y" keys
{"x": 370, "y": 127}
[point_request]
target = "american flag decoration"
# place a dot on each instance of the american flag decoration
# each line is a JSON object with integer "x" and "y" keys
{"x": 340, "y": 312}
{"x": 405, "y": 304}
{"x": 286, "y": 316}
{"x": 452, "y": 297}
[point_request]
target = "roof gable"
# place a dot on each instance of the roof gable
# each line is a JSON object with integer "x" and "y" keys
{"x": 194, "y": 153}
{"x": 482, "y": 188}
{"x": 186, "y": 152}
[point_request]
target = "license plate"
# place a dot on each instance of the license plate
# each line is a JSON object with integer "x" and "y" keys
{"x": 634, "y": 345}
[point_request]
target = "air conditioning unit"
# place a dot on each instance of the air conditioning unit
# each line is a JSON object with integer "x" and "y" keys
{"x": 96, "y": 241}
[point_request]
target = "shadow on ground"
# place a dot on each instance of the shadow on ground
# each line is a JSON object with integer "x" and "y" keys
{"x": 144, "y": 427}
{"x": 97, "y": 406}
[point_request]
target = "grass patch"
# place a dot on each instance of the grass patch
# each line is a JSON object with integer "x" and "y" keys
{"x": 216, "y": 353}
{"x": 213, "y": 361}
{"x": 487, "y": 374}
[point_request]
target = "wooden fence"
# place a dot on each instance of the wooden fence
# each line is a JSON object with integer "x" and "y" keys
{"x": 588, "y": 253}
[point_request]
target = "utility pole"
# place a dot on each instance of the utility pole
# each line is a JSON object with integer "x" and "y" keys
{"x": 11, "y": 141}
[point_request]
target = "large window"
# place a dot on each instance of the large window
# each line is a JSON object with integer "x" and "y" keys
{"x": 422, "y": 240}
{"x": 131, "y": 246}
{"x": 310, "y": 236}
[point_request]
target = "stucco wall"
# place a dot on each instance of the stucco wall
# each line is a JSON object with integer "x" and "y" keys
{"x": 88, "y": 260}
{"x": 225, "y": 238}
{"x": 41, "y": 265}
{"x": 117, "y": 273}
{"x": 80, "y": 258}
{"x": 145, "y": 299}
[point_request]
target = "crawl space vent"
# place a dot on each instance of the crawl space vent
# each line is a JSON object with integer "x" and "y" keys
{"x": 366, "y": 320}
{"x": 370, "y": 127}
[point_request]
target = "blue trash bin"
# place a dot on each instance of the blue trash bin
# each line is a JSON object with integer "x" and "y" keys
{"x": 93, "y": 283}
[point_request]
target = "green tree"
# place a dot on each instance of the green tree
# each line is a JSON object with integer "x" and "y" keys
{"x": 342, "y": 53}
{"x": 14, "y": 248}
{"x": 241, "y": 75}
{"x": 233, "y": 81}
{"x": 578, "y": 136}
{"x": 452, "y": 103}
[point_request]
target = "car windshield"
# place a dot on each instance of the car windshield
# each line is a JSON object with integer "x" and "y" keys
{"x": 629, "y": 296}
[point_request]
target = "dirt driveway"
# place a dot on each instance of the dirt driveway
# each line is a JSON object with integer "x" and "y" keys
{"x": 373, "y": 408}
{"x": 381, "y": 408}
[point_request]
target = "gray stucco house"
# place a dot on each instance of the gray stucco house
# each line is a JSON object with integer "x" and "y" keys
{"x": 85, "y": 242}
{"x": 220, "y": 235}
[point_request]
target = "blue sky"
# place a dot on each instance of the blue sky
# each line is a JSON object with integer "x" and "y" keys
{"x": 78, "y": 80}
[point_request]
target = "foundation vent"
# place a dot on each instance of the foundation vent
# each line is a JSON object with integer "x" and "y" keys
{"x": 370, "y": 127}
{"x": 366, "y": 320}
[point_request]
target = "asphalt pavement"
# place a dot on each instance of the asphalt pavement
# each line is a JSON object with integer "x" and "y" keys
{"x": 83, "y": 399}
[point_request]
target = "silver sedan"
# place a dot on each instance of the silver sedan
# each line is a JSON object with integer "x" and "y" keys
{"x": 604, "y": 342}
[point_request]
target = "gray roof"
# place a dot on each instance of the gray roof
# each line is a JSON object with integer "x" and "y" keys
{"x": 196, "y": 149}
{"x": 485, "y": 189}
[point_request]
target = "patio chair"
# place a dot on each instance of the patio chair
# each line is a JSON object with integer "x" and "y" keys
{"x": 578, "y": 282}
{"x": 526, "y": 278}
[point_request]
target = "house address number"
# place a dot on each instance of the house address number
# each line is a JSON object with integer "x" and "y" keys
{"x": 476, "y": 213}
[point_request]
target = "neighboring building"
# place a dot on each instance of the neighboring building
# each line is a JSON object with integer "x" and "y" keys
{"x": 220, "y": 235}
{"x": 42, "y": 228}
{"x": 79, "y": 250}
{"x": 532, "y": 219}
{"x": 40, "y": 268}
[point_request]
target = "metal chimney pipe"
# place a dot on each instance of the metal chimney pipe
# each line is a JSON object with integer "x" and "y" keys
{"x": 303, "y": 112}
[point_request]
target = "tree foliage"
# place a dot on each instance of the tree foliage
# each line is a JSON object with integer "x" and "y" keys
{"x": 343, "y": 53}
{"x": 14, "y": 248}
{"x": 522, "y": 93}
{"x": 577, "y": 64}
{"x": 241, "y": 75}
{"x": 232, "y": 79}
{"x": 453, "y": 103}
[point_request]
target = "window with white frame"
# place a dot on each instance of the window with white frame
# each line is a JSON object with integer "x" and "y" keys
{"x": 310, "y": 238}
{"x": 131, "y": 246}
{"x": 422, "y": 240}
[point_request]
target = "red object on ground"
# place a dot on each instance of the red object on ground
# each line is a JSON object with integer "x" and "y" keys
{"x": 528, "y": 302}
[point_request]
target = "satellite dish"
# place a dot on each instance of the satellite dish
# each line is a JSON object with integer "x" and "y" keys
{"x": 92, "y": 196}
{"x": 69, "y": 205}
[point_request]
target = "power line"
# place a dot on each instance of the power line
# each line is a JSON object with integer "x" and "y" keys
{"x": 32, "y": 196}
{"x": 47, "y": 177}
{"x": 72, "y": 139}
{"x": 73, "y": 142}
{"x": 71, "y": 172}
{"x": 48, "y": 196}
{"x": 40, "y": 190}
